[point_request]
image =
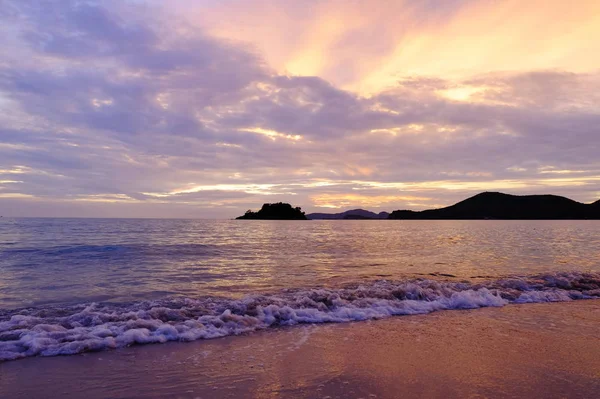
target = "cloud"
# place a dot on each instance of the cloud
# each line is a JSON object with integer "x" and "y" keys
{"x": 112, "y": 105}
{"x": 367, "y": 45}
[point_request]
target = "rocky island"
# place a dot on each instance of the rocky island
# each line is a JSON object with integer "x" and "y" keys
{"x": 276, "y": 211}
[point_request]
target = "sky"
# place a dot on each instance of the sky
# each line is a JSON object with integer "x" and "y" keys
{"x": 207, "y": 108}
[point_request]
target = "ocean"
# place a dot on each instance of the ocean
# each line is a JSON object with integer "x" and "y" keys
{"x": 69, "y": 286}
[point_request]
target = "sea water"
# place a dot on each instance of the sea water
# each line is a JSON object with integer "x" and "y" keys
{"x": 73, "y": 285}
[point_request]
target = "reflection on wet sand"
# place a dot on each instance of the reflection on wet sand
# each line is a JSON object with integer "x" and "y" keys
{"x": 534, "y": 350}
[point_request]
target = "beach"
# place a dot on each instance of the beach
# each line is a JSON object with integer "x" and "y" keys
{"x": 299, "y": 199}
{"x": 531, "y": 350}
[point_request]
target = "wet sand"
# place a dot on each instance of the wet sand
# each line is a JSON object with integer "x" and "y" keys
{"x": 534, "y": 350}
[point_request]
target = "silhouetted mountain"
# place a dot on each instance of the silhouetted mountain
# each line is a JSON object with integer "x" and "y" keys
{"x": 276, "y": 211}
{"x": 490, "y": 205}
{"x": 351, "y": 214}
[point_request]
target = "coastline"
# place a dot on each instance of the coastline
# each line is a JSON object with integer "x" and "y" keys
{"x": 544, "y": 350}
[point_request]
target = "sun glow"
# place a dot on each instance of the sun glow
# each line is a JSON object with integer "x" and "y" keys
{"x": 478, "y": 37}
{"x": 272, "y": 134}
{"x": 351, "y": 200}
{"x": 461, "y": 93}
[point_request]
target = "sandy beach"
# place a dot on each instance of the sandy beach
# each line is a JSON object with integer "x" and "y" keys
{"x": 534, "y": 350}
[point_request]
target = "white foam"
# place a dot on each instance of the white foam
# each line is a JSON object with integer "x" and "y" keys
{"x": 93, "y": 327}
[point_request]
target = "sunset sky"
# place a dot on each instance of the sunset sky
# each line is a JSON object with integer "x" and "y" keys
{"x": 206, "y": 108}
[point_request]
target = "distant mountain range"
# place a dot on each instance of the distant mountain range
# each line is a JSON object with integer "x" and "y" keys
{"x": 490, "y": 205}
{"x": 487, "y": 205}
{"x": 351, "y": 214}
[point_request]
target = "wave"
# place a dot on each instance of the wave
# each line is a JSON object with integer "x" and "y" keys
{"x": 70, "y": 330}
{"x": 86, "y": 251}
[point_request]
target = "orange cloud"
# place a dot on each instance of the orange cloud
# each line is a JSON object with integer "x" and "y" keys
{"x": 367, "y": 45}
{"x": 357, "y": 200}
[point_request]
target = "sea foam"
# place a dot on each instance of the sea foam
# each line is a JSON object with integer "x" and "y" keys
{"x": 52, "y": 331}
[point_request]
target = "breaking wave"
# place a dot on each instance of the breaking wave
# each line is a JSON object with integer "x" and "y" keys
{"x": 55, "y": 331}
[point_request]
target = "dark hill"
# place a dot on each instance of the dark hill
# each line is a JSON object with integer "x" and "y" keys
{"x": 276, "y": 211}
{"x": 595, "y": 210}
{"x": 491, "y": 205}
{"x": 351, "y": 214}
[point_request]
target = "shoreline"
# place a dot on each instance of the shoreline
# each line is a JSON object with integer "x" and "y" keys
{"x": 543, "y": 350}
